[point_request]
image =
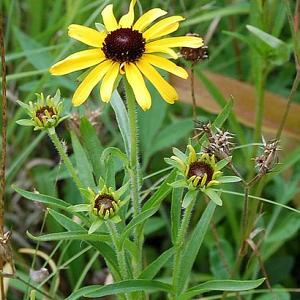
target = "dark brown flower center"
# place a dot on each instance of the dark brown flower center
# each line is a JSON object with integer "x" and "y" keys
{"x": 199, "y": 169}
{"x": 104, "y": 200}
{"x": 124, "y": 45}
{"x": 41, "y": 113}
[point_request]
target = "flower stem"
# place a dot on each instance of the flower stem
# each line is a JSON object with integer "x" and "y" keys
{"x": 179, "y": 245}
{"x": 62, "y": 152}
{"x": 134, "y": 177}
{"x": 119, "y": 250}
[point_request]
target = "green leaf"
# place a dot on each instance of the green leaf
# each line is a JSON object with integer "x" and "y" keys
{"x": 188, "y": 198}
{"x": 115, "y": 153}
{"x": 165, "y": 188}
{"x": 220, "y": 265}
{"x": 83, "y": 165}
{"x": 45, "y": 199}
{"x": 152, "y": 269}
{"x": 64, "y": 221}
{"x": 193, "y": 245}
{"x": 25, "y": 122}
{"x": 224, "y": 162}
{"x": 236, "y": 9}
{"x": 150, "y": 122}
{"x": 137, "y": 220}
{"x": 39, "y": 60}
{"x": 122, "y": 118}
{"x": 176, "y": 212}
{"x": 71, "y": 235}
{"x": 21, "y": 158}
{"x": 92, "y": 145}
{"x": 222, "y": 285}
{"x": 276, "y": 50}
{"x": 171, "y": 134}
{"x": 79, "y": 208}
{"x": 229, "y": 179}
{"x": 95, "y": 225}
{"x": 126, "y": 286}
{"x": 214, "y": 196}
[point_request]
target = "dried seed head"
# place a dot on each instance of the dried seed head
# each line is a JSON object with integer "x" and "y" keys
{"x": 5, "y": 247}
{"x": 194, "y": 54}
{"x": 266, "y": 161}
{"x": 219, "y": 143}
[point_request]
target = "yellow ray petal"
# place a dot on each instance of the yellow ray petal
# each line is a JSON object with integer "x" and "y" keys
{"x": 90, "y": 81}
{"x": 168, "y": 93}
{"x": 158, "y": 49}
{"x": 127, "y": 20}
{"x": 166, "y": 30}
{"x": 138, "y": 86}
{"x": 78, "y": 61}
{"x": 165, "y": 64}
{"x": 181, "y": 41}
{"x": 109, "y": 19}
{"x": 147, "y": 18}
{"x": 86, "y": 35}
{"x": 159, "y": 27}
{"x": 108, "y": 82}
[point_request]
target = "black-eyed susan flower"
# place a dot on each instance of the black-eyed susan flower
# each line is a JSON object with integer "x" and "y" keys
{"x": 45, "y": 113}
{"x": 102, "y": 205}
{"x": 199, "y": 171}
{"x": 130, "y": 49}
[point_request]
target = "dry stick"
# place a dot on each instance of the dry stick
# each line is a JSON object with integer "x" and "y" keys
{"x": 193, "y": 97}
{"x": 236, "y": 45}
{"x": 260, "y": 261}
{"x": 294, "y": 24}
{"x": 3, "y": 152}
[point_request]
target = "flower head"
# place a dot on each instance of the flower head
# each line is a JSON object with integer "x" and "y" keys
{"x": 194, "y": 54}
{"x": 130, "y": 49}
{"x": 219, "y": 141}
{"x": 266, "y": 161}
{"x": 103, "y": 204}
{"x": 44, "y": 113}
{"x": 199, "y": 171}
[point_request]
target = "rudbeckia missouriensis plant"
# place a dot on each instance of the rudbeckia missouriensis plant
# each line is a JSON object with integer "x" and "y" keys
{"x": 111, "y": 207}
{"x": 128, "y": 48}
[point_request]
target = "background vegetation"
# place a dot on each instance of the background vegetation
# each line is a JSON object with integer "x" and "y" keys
{"x": 36, "y": 37}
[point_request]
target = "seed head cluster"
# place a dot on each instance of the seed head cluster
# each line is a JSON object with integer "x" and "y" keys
{"x": 220, "y": 142}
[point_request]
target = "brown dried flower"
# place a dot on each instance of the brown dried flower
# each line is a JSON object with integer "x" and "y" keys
{"x": 194, "y": 54}
{"x": 266, "y": 161}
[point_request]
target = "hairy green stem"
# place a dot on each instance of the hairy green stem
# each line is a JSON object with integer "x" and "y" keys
{"x": 119, "y": 250}
{"x": 120, "y": 253}
{"x": 179, "y": 246}
{"x": 62, "y": 153}
{"x": 134, "y": 176}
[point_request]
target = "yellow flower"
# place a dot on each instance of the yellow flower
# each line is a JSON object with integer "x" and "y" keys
{"x": 130, "y": 49}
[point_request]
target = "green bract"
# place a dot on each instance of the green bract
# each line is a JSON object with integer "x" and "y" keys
{"x": 45, "y": 113}
{"x": 199, "y": 172}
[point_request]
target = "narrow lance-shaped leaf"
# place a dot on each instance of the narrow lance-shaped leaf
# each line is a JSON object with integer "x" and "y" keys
{"x": 222, "y": 285}
{"x": 194, "y": 244}
{"x": 84, "y": 167}
{"x": 126, "y": 286}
